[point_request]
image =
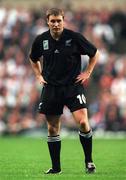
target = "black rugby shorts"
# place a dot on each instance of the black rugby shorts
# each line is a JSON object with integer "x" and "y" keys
{"x": 54, "y": 98}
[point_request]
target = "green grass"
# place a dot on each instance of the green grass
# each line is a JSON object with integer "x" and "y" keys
{"x": 26, "y": 158}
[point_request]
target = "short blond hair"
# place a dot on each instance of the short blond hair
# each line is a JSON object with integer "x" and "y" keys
{"x": 55, "y": 12}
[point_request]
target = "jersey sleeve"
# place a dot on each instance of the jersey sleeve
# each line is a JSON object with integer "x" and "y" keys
{"x": 36, "y": 50}
{"x": 85, "y": 47}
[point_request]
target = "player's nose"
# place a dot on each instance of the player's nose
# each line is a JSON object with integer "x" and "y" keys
{"x": 56, "y": 23}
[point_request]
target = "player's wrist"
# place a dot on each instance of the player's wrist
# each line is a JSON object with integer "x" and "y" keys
{"x": 38, "y": 76}
{"x": 88, "y": 72}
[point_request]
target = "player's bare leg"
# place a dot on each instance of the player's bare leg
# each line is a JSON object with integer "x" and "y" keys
{"x": 54, "y": 143}
{"x": 85, "y": 134}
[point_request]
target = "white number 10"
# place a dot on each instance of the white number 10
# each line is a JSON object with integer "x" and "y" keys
{"x": 82, "y": 99}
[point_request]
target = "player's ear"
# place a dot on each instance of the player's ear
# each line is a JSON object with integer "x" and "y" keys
{"x": 47, "y": 21}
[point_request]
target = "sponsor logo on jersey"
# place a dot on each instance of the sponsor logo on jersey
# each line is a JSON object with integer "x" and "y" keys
{"x": 45, "y": 44}
{"x": 56, "y": 51}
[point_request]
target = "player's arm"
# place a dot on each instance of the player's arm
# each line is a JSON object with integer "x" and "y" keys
{"x": 34, "y": 57}
{"x": 86, "y": 74}
{"x": 36, "y": 66}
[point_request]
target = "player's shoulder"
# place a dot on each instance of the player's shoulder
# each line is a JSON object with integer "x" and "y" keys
{"x": 72, "y": 33}
{"x": 69, "y": 32}
{"x": 42, "y": 36}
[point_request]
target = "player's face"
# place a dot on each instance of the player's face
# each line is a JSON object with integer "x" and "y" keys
{"x": 56, "y": 24}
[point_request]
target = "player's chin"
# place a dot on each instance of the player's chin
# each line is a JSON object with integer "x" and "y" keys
{"x": 57, "y": 31}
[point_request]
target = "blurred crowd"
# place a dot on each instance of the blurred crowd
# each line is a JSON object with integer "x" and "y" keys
{"x": 19, "y": 90}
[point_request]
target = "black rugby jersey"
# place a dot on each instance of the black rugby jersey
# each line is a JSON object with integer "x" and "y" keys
{"x": 61, "y": 58}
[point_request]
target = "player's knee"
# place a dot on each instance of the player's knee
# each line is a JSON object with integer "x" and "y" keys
{"x": 82, "y": 123}
{"x": 52, "y": 130}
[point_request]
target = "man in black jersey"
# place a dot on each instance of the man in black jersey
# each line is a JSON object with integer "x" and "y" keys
{"x": 62, "y": 79}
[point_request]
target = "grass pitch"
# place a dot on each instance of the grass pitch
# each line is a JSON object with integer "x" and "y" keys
{"x": 26, "y": 158}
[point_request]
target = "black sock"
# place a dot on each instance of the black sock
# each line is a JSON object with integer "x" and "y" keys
{"x": 54, "y": 145}
{"x": 86, "y": 141}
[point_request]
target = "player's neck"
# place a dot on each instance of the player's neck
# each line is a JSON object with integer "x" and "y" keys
{"x": 56, "y": 36}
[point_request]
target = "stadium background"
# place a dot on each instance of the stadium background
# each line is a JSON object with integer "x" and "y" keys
{"x": 103, "y": 23}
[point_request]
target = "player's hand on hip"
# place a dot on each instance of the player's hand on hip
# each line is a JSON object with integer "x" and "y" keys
{"x": 83, "y": 77}
{"x": 41, "y": 80}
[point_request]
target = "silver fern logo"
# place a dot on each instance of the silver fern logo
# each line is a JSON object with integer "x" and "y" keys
{"x": 68, "y": 42}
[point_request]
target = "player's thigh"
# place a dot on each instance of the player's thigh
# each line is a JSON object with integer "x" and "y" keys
{"x": 53, "y": 124}
{"x": 80, "y": 115}
{"x": 53, "y": 120}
